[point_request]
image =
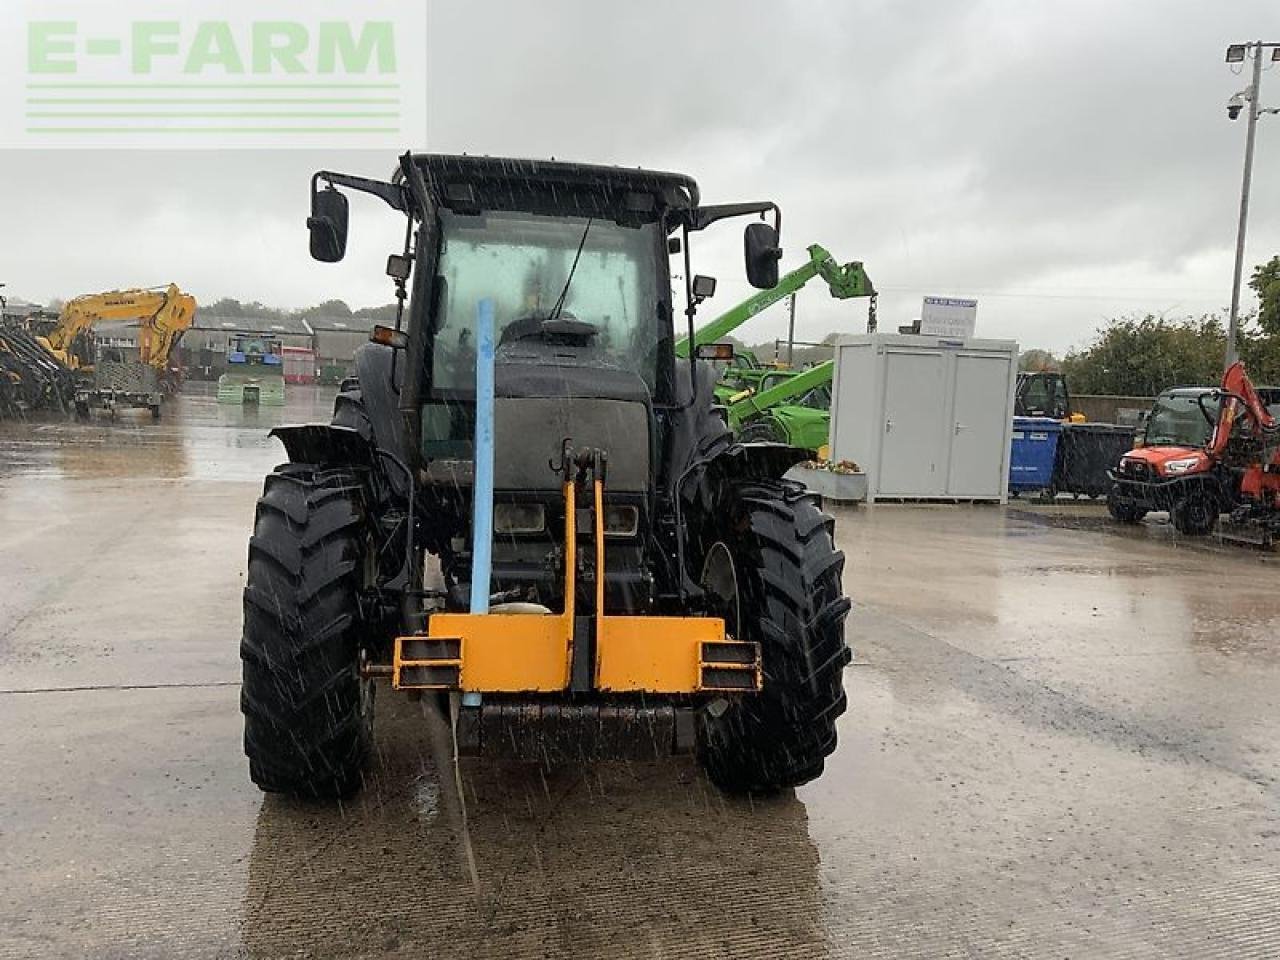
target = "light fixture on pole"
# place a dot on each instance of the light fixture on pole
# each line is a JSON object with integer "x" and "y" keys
{"x": 1238, "y": 53}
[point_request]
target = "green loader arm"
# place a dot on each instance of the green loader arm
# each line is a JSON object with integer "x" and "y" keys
{"x": 844, "y": 281}
{"x": 757, "y": 403}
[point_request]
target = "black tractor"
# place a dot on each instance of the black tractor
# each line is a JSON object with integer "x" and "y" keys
{"x": 529, "y": 508}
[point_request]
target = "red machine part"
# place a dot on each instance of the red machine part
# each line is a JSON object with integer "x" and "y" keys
{"x": 1261, "y": 479}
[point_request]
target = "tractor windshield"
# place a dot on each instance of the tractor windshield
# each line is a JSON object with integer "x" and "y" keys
{"x": 523, "y": 261}
{"x": 1177, "y": 420}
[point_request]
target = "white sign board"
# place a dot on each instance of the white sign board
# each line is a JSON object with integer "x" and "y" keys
{"x": 948, "y": 317}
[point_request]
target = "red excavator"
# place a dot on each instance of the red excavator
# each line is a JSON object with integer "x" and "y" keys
{"x": 1252, "y": 449}
{"x": 1236, "y": 469}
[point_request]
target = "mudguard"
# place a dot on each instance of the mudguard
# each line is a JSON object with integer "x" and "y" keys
{"x": 374, "y": 366}
{"x": 322, "y": 443}
{"x": 758, "y": 461}
{"x": 729, "y": 464}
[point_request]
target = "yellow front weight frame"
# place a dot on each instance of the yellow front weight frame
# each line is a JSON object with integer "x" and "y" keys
{"x": 533, "y": 652}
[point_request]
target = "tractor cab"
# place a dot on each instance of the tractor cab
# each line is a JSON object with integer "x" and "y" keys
{"x": 254, "y": 373}
{"x": 1042, "y": 393}
{"x": 1171, "y": 443}
{"x": 254, "y": 350}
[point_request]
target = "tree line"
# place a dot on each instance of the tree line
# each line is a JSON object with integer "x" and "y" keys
{"x": 1142, "y": 355}
{"x": 230, "y": 307}
{"x": 1137, "y": 355}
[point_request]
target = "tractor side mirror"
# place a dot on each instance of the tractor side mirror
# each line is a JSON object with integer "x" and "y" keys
{"x": 760, "y": 247}
{"x": 328, "y": 225}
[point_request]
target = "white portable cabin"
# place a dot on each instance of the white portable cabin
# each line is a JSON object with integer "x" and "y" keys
{"x": 926, "y": 417}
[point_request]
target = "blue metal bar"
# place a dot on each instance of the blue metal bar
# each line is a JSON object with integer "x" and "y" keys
{"x": 482, "y": 487}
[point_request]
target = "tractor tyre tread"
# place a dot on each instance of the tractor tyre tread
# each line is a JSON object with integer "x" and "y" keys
{"x": 793, "y": 604}
{"x": 306, "y": 726}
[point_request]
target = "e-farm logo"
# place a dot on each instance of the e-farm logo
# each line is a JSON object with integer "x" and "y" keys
{"x": 217, "y": 75}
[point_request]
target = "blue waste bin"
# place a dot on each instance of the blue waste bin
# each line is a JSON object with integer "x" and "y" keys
{"x": 1035, "y": 445}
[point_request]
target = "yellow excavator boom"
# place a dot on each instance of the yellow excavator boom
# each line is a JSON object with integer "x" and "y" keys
{"x": 164, "y": 315}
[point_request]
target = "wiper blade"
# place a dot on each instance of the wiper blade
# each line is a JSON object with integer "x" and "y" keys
{"x": 555, "y": 311}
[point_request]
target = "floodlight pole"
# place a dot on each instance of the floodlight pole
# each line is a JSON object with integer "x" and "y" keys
{"x": 1233, "y": 323}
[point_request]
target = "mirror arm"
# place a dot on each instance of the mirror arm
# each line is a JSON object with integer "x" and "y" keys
{"x": 392, "y": 194}
{"x": 401, "y": 296}
{"x": 702, "y": 217}
{"x": 416, "y": 185}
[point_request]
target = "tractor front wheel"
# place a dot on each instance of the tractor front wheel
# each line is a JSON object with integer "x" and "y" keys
{"x": 1123, "y": 510}
{"x": 774, "y": 575}
{"x": 763, "y": 430}
{"x": 1194, "y": 515}
{"x": 308, "y": 715}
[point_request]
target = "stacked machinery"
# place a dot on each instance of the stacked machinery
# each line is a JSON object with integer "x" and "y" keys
{"x": 106, "y": 378}
{"x": 64, "y": 366}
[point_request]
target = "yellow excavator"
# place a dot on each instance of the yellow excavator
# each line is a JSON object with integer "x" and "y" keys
{"x": 110, "y": 381}
{"x": 164, "y": 314}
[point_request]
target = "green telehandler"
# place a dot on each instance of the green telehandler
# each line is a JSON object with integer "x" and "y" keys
{"x": 772, "y": 403}
{"x": 788, "y": 406}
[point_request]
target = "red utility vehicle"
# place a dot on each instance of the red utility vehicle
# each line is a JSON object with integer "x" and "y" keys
{"x": 1205, "y": 452}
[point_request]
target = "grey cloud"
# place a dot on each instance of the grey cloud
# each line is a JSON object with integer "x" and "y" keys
{"x": 1066, "y": 162}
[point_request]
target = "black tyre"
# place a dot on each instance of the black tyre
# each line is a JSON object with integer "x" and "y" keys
{"x": 82, "y": 410}
{"x": 1194, "y": 515}
{"x": 775, "y": 574}
{"x": 1124, "y": 511}
{"x": 764, "y": 429}
{"x": 308, "y": 716}
{"x": 155, "y": 411}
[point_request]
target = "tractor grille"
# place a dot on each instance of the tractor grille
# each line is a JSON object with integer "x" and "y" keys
{"x": 1135, "y": 469}
{"x": 529, "y": 432}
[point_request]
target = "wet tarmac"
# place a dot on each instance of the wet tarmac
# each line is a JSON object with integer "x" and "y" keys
{"x": 1062, "y": 741}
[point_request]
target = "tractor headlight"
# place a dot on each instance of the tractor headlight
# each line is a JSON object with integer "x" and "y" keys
{"x": 1175, "y": 467}
{"x": 621, "y": 521}
{"x": 511, "y": 518}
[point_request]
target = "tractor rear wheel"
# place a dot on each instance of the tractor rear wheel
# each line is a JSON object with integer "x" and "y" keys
{"x": 308, "y": 715}
{"x": 775, "y": 577}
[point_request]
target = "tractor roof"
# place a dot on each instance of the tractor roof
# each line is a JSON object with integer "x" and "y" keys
{"x": 460, "y": 179}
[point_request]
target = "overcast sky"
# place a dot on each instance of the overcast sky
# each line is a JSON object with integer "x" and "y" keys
{"x": 1062, "y": 163}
